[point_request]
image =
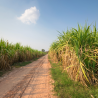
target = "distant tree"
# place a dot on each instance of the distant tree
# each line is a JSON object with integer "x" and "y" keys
{"x": 43, "y": 50}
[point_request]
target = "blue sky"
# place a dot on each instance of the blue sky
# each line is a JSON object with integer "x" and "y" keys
{"x": 35, "y": 22}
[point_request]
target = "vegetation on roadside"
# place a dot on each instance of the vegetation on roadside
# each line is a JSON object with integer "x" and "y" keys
{"x": 13, "y": 53}
{"x": 2, "y": 72}
{"x": 20, "y": 64}
{"x": 17, "y": 65}
{"x": 65, "y": 87}
{"x": 77, "y": 50}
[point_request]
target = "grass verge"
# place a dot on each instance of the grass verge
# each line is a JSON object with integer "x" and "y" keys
{"x": 17, "y": 65}
{"x": 67, "y": 88}
{"x": 20, "y": 64}
{"x": 2, "y": 72}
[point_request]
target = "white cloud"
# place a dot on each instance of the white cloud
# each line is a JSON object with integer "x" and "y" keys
{"x": 30, "y": 16}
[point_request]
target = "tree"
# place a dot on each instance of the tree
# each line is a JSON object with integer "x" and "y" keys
{"x": 43, "y": 50}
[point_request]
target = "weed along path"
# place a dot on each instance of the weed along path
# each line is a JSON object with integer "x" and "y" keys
{"x": 30, "y": 81}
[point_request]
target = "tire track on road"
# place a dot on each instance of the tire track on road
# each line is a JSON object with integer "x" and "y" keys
{"x": 19, "y": 89}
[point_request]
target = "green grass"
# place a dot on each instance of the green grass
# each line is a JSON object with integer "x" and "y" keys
{"x": 2, "y": 72}
{"x": 35, "y": 59}
{"x": 67, "y": 88}
{"x": 17, "y": 65}
{"x": 20, "y": 64}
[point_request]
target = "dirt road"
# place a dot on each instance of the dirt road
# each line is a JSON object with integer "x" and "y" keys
{"x": 30, "y": 81}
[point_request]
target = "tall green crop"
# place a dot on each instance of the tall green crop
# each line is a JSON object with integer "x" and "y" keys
{"x": 84, "y": 42}
{"x": 11, "y": 53}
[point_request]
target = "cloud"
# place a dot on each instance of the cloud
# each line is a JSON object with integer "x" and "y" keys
{"x": 30, "y": 16}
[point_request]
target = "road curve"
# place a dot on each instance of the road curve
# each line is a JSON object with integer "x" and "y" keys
{"x": 30, "y": 81}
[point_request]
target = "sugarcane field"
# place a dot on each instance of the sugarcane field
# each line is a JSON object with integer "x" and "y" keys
{"x": 48, "y": 49}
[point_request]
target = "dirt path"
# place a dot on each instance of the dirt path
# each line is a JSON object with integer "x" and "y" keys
{"x": 30, "y": 81}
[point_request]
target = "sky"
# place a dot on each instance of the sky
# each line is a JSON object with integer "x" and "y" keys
{"x": 37, "y": 23}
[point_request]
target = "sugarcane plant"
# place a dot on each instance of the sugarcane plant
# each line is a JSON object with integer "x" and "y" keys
{"x": 12, "y": 53}
{"x": 77, "y": 49}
